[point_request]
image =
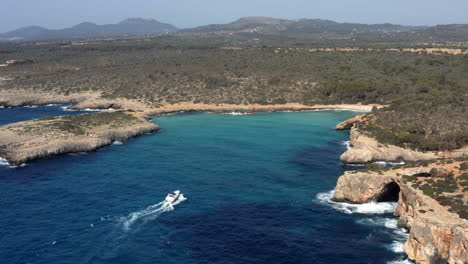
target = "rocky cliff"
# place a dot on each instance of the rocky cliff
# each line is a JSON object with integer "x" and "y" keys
{"x": 437, "y": 234}
{"x": 366, "y": 149}
{"x": 348, "y": 124}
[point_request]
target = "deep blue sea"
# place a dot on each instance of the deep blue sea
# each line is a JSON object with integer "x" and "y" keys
{"x": 257, "y": 188}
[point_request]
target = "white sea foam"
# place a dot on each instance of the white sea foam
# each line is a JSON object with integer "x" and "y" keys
{"x": 238, "y": 113}
{"x": 149, "y": 213}
{"x": 117, "y": 143}
{"x": 401, "y": 261}
{"x": 365, "y": 208}
{"x": 66, "y": 108}
{"x": 4, "y": 162}
{"x": 347, "y": 144}
{"x": 384, "y": 163}
{"x": 52, "y": 105}
{"x": 396, "y": 246}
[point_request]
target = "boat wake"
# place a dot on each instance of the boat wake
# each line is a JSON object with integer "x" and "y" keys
{"x": 365, "y": 208}
{"x": 150, "y": 213}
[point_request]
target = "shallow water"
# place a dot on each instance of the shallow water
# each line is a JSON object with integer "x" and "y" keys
{"x": 256, "y": 185}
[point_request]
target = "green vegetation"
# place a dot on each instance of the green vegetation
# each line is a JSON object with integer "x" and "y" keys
{"x": 79, "y": 124}
{"x": 444, "y": 189}
{"x": 426, "y": 92}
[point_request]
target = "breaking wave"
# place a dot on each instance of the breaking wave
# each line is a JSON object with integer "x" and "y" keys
{"x": 117, "y": 143}
{"x": 401, "y": 261}
{"x": 238, "y": 113}
{"x": 149, "y": 213}
{"x": 399, "y": 235}
{"x": 4, "y": 162}
{"x": 347, "y": 144}
{"x": 365, "y": 208}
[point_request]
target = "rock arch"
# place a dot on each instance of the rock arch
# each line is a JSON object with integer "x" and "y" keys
{"x": 389, "y": 193}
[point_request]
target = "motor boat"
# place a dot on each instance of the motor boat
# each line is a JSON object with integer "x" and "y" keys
{"x": 172, "y": 197}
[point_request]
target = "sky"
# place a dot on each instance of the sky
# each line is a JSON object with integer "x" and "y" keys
{"x": 189, "y": 13}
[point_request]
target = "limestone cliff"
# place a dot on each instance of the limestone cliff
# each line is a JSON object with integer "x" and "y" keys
{"x": 366, "y": 149}
{"x": 348, "y": 124}
{"x": 437, "y": 235}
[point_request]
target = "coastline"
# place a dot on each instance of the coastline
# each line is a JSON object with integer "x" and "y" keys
{"x": 436, "y": 232}
{"x": 63, "y": 142}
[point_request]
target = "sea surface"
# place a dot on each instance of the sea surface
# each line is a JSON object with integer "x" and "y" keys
{"x": 258, "y": 190}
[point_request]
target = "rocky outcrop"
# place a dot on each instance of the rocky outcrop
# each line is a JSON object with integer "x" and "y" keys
{"x": 366, "y": 149}
{"x": 25, "y": 141}
{"x": 436, "y": 234}
{"x": 348, "y": 124}
{"x": 18, "y": 98}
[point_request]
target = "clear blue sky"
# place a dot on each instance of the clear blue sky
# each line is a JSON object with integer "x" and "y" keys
{"x": 188, "y": 13}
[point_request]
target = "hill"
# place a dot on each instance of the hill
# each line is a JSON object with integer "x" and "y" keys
{"x": 131, "y": 26}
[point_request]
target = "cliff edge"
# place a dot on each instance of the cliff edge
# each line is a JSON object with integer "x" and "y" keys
{"x": 432, "y": 204}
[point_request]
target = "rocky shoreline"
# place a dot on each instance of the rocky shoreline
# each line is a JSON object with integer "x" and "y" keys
{"x": 49, "y": 136}
{"x": 437, "y": 233}
{"x": 366, "y": 149}
{"x": 18, "y": 146}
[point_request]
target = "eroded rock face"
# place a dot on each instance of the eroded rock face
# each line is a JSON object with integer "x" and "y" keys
{"x": 366, "y": 149}
{"x": 436, "y": 235}
{"x": 348, "y": 124}
{"x": 360, "y": 187}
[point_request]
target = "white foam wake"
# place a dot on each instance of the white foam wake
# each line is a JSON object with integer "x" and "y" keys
{"x": 365, "y": 208}
{"x": 149, "y": 213}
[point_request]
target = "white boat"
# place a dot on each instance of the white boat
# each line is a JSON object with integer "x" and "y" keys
{"x": 172, "y": 197}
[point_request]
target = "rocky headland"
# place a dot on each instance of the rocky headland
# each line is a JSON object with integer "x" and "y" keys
{"x": 367, "y": 149}
{"x": 431, "y": 191}
{"x": 29, "y": 140}
{"x": 436, "y": 216}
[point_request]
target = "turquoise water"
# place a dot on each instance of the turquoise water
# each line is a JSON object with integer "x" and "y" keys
{"x": 251, "y": 184}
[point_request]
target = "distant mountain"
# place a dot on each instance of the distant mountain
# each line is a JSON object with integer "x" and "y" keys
{"x": 268, "y": 25}
{"x": 319, "y": 29}
{"x": 255, "y": 27}
{"x": 131, "y": 26}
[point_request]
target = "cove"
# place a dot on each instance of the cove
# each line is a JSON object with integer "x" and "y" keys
{"x": 256, "y": 185}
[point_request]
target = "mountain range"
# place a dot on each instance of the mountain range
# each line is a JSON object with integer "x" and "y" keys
{"x": 131, "y": 26}
{"x": 251, "y": 26}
